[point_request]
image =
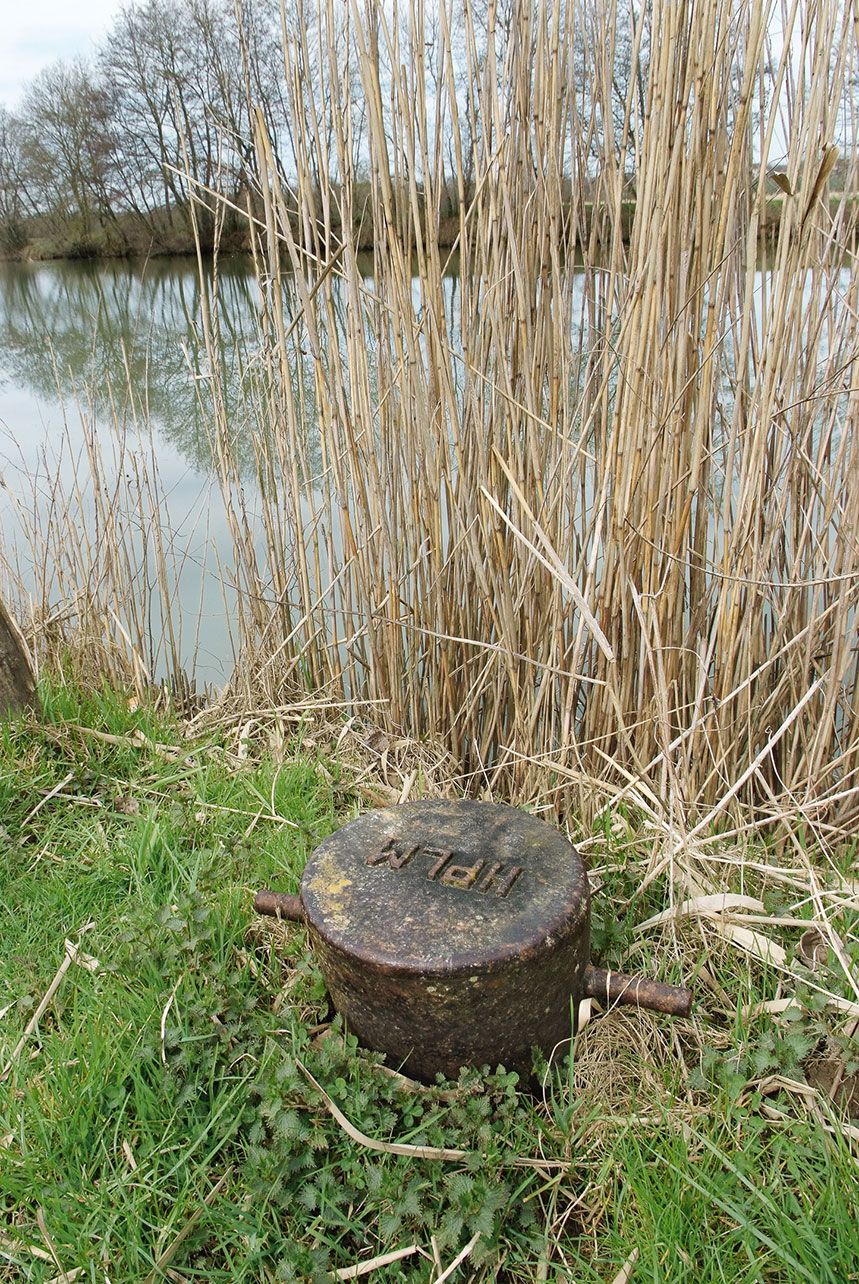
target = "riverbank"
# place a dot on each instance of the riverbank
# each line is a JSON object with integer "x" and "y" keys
{"x": 161, "y": 1116}
{"x": 128, "y": 238}
{"x": 161, "y": 1113}
{"x": 588, "y": 529}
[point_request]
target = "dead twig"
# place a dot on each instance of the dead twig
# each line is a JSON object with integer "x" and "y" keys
{"x": 415, "y": 1152}
{"x": 385, "y": 1259}
{"x": 71, "y": 956}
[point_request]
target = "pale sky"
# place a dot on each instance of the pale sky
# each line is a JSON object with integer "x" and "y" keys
{"x": 35, "y": 33}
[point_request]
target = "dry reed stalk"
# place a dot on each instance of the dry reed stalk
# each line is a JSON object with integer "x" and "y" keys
{"x": 684, "y": 463}
{"x": 105, "y": 558}
{"x": 593, "y": 531}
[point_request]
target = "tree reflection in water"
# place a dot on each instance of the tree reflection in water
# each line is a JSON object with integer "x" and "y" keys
{"x": 133, "y": 329}
{"x": 113, "y": 357}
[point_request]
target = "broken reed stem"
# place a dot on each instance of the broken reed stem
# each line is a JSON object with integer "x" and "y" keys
{"x": 374, "y": 1263}
{"x": 459, "y": 1259}
{"x": 411, "y": 1150}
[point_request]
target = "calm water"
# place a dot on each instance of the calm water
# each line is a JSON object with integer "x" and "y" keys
{"x": 114, "y": 351}
{"x": 74, "y": 338}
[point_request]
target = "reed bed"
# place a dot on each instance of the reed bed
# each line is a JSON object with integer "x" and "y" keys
{"x": 95, "y": 553}
{"x": 593, "y": 531}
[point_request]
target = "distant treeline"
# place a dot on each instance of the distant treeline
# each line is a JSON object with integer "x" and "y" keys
{"x": 127, "y": 152}
{"x": 104, "y": 155}
{"x": 153, "y": 144}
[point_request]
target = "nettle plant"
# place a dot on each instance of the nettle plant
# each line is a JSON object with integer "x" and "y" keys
{"x": 323, "y": 1196}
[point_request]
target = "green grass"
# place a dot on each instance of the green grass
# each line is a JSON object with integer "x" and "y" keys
{"x": 159, "y": 1114}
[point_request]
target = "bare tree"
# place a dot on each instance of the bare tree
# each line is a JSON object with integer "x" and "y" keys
{"x": 68, "y": 152}
{"x": 13, "y": 208}
{"x": 145, "y": 59}
{"x": 183, "y": 72}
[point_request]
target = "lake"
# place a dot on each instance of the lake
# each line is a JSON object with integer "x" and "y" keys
{"x": 89, "y": 348}
{"x": 110, "y": 356}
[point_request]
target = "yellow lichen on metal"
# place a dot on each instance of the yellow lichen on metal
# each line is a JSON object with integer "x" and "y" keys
{"x": 331, "y": 886}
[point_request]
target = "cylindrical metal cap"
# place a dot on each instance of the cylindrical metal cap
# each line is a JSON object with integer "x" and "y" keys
{"x": 450, "y": 932}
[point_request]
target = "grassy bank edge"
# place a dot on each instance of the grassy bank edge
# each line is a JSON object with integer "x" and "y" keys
{"x": 157, "y": 1119}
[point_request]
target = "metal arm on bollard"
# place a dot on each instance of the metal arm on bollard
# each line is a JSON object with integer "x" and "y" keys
{"x": 615, "y": 987}
{"x": 607, "y": 987}
{"x": 279, "y": 905}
